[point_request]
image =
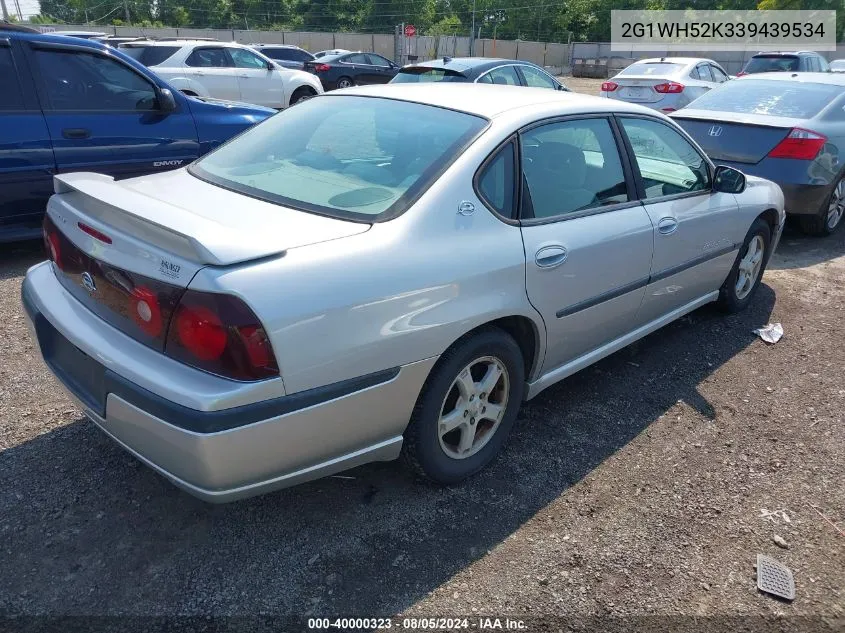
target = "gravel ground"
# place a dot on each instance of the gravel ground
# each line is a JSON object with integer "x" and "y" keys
{"x": 642, "y": 486}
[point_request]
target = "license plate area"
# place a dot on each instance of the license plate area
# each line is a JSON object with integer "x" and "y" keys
{"x": 81, "y": 374}
{"x": 636, "y": 93}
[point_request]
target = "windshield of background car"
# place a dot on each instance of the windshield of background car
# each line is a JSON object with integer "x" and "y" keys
{"x": 150, "y": 55}
{"x": 653, "y": 69}
{"x": 420, "y": 74}
{"x": 772, "y": 63}
{"x": 350, "y": 157}
{"x": 773, "y": 97}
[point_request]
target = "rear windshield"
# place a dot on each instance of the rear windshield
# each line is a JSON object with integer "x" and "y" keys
{"x": 149, "y": 55}
{"x": 655, "y": 69}
{"x": 769, "y": 97}
{"x": 344, "y": 156}
{"x": 771, "y": 63}
{"x": 420, "y": 74}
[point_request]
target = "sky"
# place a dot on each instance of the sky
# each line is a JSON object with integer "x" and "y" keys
{"x": 28, "y": 7}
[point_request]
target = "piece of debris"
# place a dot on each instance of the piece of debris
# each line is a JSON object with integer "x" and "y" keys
{"x": 780, "y": 542}
{"x": 835, "y": 527}
{"x": 774, "y": 515}
{"x": 313, "y": 559}
{"x": 775, "y": 578}
{"x": 772, "y": 333}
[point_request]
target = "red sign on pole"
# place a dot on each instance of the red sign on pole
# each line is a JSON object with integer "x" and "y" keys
{"x": 410, "y": 30}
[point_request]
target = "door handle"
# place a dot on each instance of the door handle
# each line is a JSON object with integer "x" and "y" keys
{"x": 76, "y": 133}
{"x": 550, "y": 256}
{"x": 244, "y": 76}
{"x": 667, "y": 226}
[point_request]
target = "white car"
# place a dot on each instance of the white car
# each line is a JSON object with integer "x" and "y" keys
{"x": 224, "y": 70}
{"x": 666, "y": 84}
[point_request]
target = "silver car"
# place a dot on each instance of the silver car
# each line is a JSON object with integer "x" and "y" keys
{"x": 666, "y": 84}
{"x": 362, "y": 277}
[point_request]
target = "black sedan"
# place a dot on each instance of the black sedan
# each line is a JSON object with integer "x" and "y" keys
{"x": 479, "y": 70}
{"x": 352, "y": 69}
{"x": 285, "y": 55}
{"x": 785, "y": 127}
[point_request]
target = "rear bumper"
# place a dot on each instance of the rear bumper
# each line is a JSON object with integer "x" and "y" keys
{"x": 311, "y": 436}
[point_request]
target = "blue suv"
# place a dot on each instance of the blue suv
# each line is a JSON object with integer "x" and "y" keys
{"x": 68, "y": 104}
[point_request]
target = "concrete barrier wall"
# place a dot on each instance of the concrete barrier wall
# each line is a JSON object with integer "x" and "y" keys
{"x": 423, "y": 47}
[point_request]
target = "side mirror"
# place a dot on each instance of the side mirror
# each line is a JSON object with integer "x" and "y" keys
{"x": 728, "y": 180}
{"x": 271, "y": 66}
{"x": 166, "y": 100}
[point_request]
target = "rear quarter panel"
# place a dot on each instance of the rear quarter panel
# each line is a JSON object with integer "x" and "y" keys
{"x": 403, "y": 291}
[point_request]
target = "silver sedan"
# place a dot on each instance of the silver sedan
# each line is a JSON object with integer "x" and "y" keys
{"x": 379, "y": 272}
{"x": 666, "y": 84}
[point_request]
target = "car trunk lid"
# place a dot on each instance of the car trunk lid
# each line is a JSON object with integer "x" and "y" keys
{"x": 198, "y": 222}
{"x": 735, "y": 137}
{"x": 639, "y": 89}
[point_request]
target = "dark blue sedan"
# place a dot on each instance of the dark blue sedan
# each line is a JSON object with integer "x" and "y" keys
{"x": 479, "y": 70}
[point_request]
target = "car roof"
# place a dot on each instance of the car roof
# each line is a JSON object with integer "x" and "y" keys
{"x": 276, "y": 46}
{"x": 18, "y": 32}
{"x": 783, "y": 53}
{"x": 834, "y": 79}
{"x": 488, "y": 100}
{"x": 467, "y": 63}
{"x": 674, "y": 60}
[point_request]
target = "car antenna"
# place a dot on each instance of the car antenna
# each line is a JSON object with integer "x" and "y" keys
{"x": 446, "y": 59}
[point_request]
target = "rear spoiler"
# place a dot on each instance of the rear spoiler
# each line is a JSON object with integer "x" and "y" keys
{"x": 172, "y": 228}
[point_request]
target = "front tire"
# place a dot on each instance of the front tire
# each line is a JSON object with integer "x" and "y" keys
{"x": 302, "y": 93}
{"x": 747, "y": 272}
{"x": 829, "y": 217}
{"x": 467, "y": 408}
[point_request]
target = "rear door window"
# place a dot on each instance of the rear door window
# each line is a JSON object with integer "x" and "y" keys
{"x": 358, "y": 58}
{"x": 704, "y": 72}
{"x": 209, "y": 58}
{"x": 504, "y": 75}
{"x": 571, "y": 166}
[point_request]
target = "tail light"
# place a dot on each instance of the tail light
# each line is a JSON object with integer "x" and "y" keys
{"x": 741, "y": 73}
{"x": 609, "y": 86}
{"x": 220, "y": 334}
{"x": 52, "y": 242}
{"x": 799, "y": 144}
{"x": 322, "y": 68}
{"x": 670, "y": 87}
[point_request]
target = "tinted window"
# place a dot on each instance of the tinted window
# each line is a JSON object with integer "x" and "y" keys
{"x": 771, "y": 63}
{"x": 652, "y": 69}
{"x": 209, "y": 58}
{"x": 770, "y": 97}
{"x": 496, "y": 181}
{"x": 356, "y": 59}
{"x": 353, "y": 158}
{"x": 571, "y": 166}
{"x": 537, "y": 78}
{"x": 377, "y": 60}
{"x": 421, "y": 74}
{"x": 246, "y": 59}
{"x": 150, "y": 55}
{"x": 504, "y": 75}
{"x": 288, "y": 54}
{"x": 10, "y": 96}
{"x": 704, "y": 72}
{"x": 668, "y": 163}
{"x": 79, "y": 81}
{"x": 718, "y": 75}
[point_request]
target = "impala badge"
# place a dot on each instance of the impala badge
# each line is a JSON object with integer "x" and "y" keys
{"x": 715, "y": 130}
{"x": 88, "y": 282}
{"x": 466, "y": 208}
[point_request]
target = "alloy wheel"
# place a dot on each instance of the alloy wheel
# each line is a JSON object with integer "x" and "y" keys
{"x": 474, "y": 407}
{"x": 836, "y": 209}
{"x": 749, "y": 267}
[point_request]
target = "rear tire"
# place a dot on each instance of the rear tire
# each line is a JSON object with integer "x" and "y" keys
{"x": 829, "y": 218}
{"x": 747, "y": 272}
{"x": 466, "y": 408}
{"x": 344, "y": 82}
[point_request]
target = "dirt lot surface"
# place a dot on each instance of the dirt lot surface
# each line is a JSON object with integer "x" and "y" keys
{"x": 645, "y": 485}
